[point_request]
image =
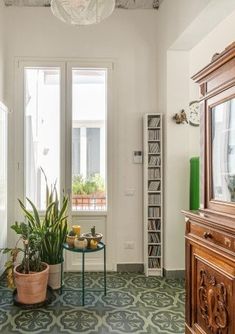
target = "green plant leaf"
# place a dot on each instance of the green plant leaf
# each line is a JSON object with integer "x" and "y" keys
{"x": 5, "y": 250}
{"x": 27, "y": 213}
{"x": 64, "y": 208}
{"x": 35, "y": 211}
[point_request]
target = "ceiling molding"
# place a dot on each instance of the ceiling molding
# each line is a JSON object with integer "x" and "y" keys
{"x": 125, "y": 4}
{"x": 27, "y": 3}
{"x": 135, "y": 4}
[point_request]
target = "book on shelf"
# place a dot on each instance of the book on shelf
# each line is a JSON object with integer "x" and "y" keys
{"x": 154, "y": 134}
{"x": 154, "y": 199}
{"x": 154, "y": 160}
{"x": 154, "y": 224}
{"x": 153, "y": 122}
{"x": 154, "y": 237}
{"x": 154, "y": 250}
{"x": 154, "y": 148}
{"x": 154, "y": 211}
{"x": 154, "y": 186}
{"x": 154, "y": 173}
{"x": 154, "y": 263}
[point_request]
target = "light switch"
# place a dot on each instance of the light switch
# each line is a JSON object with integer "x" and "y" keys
{"x": 137, "y": 157}
{"x": 129, "y": 192}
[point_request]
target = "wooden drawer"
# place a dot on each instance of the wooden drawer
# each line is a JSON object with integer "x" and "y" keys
{"x": 212, "y": 236}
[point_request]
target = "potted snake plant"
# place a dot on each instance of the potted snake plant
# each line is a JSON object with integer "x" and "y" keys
{"x": 54, "y": 224}
{"x": 56, "y": 227}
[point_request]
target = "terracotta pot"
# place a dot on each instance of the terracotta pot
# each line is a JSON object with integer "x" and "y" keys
{"x": 54, "y": 280}
{"x": 31, "y": 288}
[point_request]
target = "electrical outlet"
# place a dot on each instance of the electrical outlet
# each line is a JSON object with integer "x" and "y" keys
{"x": 129, "y": 245}
{"x": 129, "y": 192}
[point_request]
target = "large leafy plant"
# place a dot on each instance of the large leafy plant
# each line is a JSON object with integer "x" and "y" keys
{"x": 41, "y": 237}
{"x": 53, "y": 224}
{"x": 29, "y": 244}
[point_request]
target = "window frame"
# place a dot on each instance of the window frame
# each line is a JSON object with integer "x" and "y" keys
{"x": 65, "y": 65}
{"x": 98, "y": 65}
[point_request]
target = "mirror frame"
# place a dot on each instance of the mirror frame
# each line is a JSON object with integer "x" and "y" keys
{"x": 211, "y": 203}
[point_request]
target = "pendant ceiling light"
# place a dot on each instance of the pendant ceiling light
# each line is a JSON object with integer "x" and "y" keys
{"x": 82, "y": 12}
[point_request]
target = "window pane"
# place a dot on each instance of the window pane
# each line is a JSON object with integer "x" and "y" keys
{"x": 42, "y": 131}
{"x": 76, "y": 151}
{"x": 93, "y": 151}
{"x": 223, "y": 151}
{"x": 89, "y": 145}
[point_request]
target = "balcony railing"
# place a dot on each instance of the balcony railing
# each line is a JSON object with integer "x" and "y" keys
{"x": 89, "y": 203}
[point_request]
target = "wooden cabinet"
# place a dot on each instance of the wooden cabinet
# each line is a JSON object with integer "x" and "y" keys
{"x": 210, "y": 281}
{"x": 210, "y": 231}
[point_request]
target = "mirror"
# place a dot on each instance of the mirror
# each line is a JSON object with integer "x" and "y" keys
{"x": 223, "y": 151}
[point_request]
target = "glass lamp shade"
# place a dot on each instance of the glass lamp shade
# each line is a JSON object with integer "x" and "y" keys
{"x": 82, "y": 12}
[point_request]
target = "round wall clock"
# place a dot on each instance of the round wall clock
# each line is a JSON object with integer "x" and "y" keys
{"x": 194, "y": 113}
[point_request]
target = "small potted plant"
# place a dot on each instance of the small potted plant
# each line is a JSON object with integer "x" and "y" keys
{"x": 80, "y": 242}
{"x": 71, "y": 238}
{"x": 93, "y": 238}
{"x": 30, "y": 277}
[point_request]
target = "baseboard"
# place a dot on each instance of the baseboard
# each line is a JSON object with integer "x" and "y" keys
{"x": 139, "y": 268}
{"x": 178, "y": 274}
{"x": 130, "y": 267}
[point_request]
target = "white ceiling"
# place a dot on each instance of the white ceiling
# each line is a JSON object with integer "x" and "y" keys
{"x": 126, "y": 4}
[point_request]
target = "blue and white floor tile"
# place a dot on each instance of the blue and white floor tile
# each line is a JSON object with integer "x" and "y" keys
{"x": 134, "y": 304}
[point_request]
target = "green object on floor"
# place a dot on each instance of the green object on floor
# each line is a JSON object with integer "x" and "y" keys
{"x": 194, "y": 200}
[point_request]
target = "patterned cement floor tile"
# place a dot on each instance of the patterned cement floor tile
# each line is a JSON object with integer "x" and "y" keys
{"x": 133, "y": 304}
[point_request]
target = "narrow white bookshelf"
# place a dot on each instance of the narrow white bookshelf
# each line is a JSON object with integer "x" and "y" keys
{"x": 153, "y": 195}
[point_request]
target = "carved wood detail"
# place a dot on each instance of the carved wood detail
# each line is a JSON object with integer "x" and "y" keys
{"x": 213, "y": 303}
{"x": 203, "y": 89}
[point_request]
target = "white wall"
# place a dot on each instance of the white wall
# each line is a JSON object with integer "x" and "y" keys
{"x": 216, "y": 41}
{"x": 177, "y": 159}
{"x": 173, "y": 95}
{"x": 128, "y": 37}
{"x": 2, "y": 43}
{"x": 174, "y": 18}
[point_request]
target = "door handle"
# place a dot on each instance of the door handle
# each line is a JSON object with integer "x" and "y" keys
{"x": 207, "y": 235}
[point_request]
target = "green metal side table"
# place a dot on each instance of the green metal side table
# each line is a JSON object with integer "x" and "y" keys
{"x": 101, "y": 246}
